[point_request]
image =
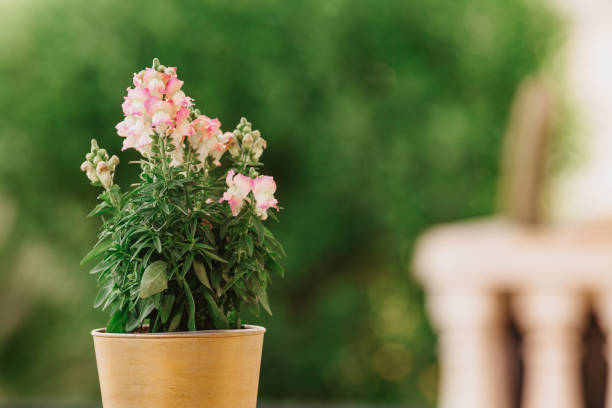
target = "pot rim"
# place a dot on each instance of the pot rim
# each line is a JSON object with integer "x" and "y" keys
{"x": 246, "y": 330}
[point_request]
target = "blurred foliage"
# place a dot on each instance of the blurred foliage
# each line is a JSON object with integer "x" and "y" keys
{"x": 382, "y": 118}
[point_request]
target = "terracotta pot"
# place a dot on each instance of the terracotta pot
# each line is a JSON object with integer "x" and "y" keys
{"x": 213, "y": 368}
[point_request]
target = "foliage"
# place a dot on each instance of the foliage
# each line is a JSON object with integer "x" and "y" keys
{"x": 173, "y": 253}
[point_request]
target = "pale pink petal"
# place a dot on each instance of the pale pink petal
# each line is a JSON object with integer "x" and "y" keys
{"x": 264, "y": 188}
{"x": 244, "y": 184}
{"x": 174, "y": 85}
{"x": 229, "y": 179}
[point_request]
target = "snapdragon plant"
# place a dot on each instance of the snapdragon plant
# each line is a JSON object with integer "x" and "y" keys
{"x": 185, "y": 248}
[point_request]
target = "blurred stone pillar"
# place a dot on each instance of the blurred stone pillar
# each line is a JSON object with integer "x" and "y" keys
{"x": 583, "y": 192}
{"x": 552, "y": 323}
{"x": 473, "y": 351}
{"x": 603, "y": 308}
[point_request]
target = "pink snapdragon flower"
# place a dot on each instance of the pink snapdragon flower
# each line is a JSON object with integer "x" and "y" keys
{"x": 205, "y": 126}
{"x": 208, "y": 140}
{"x": 182, "y": 127}
{"x": 162, "y": 112}
{"x": 175, "y": 94}
{"x": 263, "y": 190}
{"x": 154, "y": 80}
{"x": 262, "y": 187}
{"x": 239, "y": 187}
{"x": 137, "y": 131}
{"x": 135, "y": 101}
{"x": 219, "y": 146}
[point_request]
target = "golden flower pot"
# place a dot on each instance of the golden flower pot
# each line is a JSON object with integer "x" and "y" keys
{"x": 212, "y": 368}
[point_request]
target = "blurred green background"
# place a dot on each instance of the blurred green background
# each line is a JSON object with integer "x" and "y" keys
{"x": 382, "y": 118}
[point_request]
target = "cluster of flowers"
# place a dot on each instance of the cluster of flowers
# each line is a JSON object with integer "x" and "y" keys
{"x": 99, "y": 167}
{"x": 157, "y": 105}
{"x": 262, "y": 187}
{"x": 247, "y": 145}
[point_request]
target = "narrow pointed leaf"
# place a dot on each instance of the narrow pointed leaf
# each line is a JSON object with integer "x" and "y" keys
{"x": 190, "y": 306}
{"x": 217, "y": 315}
{"x": 175, "y": 322}
{"x": 166, "y": 307}
{"x": 96, "y": 251}
{"x": 249, "y": 244}
{"x": 200, "y": 271}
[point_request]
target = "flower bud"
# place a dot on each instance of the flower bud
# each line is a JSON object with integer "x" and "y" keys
{"x": 258, "y": 148}
{"x": 94, "y": 146}
{"x": 89, "y": 156}
{"x": 247, "y": 141}
{"x": 104, "y": 174}
{"x": 90, "y": 171}
{"x": 233, "y": 147}
{"x": 256, "y": 134}
{"x": 102, "y": 167}
{"x": 97, "y": 160}
{"x": 244, "y": 126}
{"x": 156, "y": 64}
{"x": 102, "y": 154}
{"x": 114, "y": 161}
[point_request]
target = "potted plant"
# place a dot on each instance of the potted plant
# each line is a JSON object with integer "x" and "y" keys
{"x": 181, "y": 254}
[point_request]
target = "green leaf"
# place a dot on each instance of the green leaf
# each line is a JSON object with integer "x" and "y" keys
{"x": 100, "y": 209}
{"x": 175, "y": 322}
{"x": 115, "y": 193}
{"x": 209, "y": 235}
{"x": 96, "y": 251}
{"x": 173, "y": 271}
{"x": 260, "y": 229}
{"x": 100, "y": 266}
{"x": 166, "y": 307}
{"x": 104, "y": 292}
{"x": 233, "y": 281}
{"x": 261, "y": 294}
{"x": 271, "y": 241}
{"x": 117, "y": 321}
{"x": 223, "y": 229}
{"x": 164, "y": 207}
{"x": 157, "y": 243}
{"x": 214, "y": 256}
{"x": 215, "y": 277}
{"x": 154, "y": 279}
{"x": 274, "y": 266}
{"x": 200, "y": 271}
{"x": 249, "y": 244}
{"x": 218, "y": 318}
{"x": 145, "y": 259}
{"x": 111, "y": 298}
{"x": 194, "y": 226}
{"x": 190, "y": 306}
{"x": 145, "y": 309}
{"x": 132, "y": 322}
{"x": 187, "y": 264}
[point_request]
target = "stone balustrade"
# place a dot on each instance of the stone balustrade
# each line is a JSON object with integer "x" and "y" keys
{"x": 553, "y": 276}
